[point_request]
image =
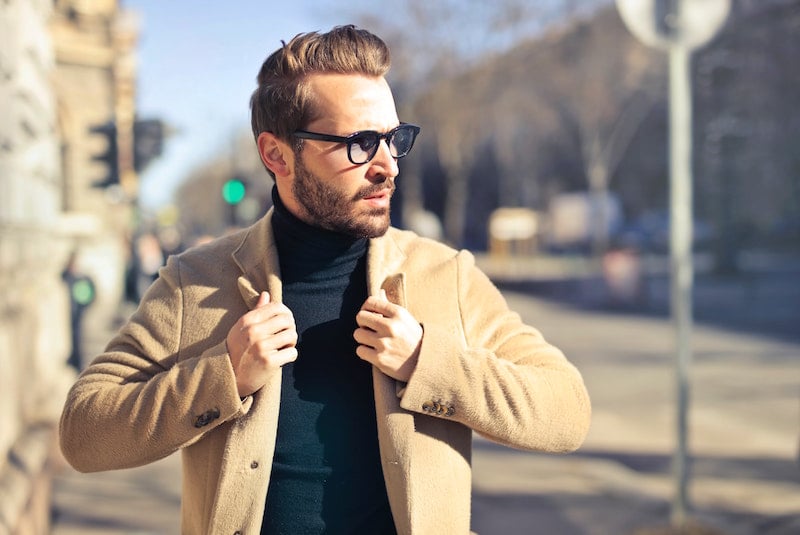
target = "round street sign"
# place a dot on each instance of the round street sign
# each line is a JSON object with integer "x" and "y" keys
{"x": 663, "y": 23}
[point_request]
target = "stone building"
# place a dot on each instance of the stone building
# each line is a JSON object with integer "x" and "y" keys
{"x": 65, "y": 66}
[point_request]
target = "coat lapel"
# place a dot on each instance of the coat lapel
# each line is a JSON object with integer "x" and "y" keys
{"x": 424, "y": 459}
{"x": 257, "y": 257}
{"x": 253, "y": 435}
{"x": 395, "y": 425}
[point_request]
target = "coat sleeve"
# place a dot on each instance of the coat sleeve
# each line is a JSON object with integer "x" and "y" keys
{"x": 498, "y": 376}
{"x": 142, "y": 400}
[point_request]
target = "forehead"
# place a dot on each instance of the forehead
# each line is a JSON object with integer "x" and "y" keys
{"x": 348, "y": 102}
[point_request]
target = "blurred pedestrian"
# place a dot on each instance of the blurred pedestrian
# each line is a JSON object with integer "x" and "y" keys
{"x": 150, "y": 257}
{"x": 81, "y": 293}
{"x": 321, "y": 371}
{"x": 624, "y": 276}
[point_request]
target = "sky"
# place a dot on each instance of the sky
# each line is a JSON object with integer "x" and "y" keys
{"x": 197, "y": 64}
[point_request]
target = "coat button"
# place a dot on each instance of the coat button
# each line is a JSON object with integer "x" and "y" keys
{"x": 254, "y": 465}
{"x": 437, "y": 407}
{"x": 206, "y": 418}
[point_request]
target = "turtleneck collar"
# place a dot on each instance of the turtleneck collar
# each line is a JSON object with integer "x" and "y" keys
{"x": 300, "y": 241}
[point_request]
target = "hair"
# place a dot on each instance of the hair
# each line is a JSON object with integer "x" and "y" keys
{"x": 283, "y": 103}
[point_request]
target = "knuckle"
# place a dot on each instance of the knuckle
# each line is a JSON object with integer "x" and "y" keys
{"x": 247, "y": 338}
{"x": 262, "y": 347}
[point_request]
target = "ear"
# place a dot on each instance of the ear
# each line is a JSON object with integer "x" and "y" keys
{"x": 276, "y": 155}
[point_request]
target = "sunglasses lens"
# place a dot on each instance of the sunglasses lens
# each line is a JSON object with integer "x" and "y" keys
{"x": 403, "y": 140}
{"x": 363, "y": 147}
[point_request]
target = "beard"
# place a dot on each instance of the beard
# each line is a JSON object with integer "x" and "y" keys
{"x": 328, "y": 207}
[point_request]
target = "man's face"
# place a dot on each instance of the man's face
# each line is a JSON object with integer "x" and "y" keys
{"x": 363, "y": 214}
{"x": 329, "y": 191}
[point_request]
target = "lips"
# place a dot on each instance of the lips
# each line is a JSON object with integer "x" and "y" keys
{"x": 379, "y": 199}
{"x": 380, "y": 194}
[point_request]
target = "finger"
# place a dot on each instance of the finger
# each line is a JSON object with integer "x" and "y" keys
{"x": 370, "y": 320}
{"x": 263, "y": 299}
{"x": 284, "y": 356}
{"x": 266, "y": 313}
{"x": 365, "y": 337}
{"x": 276, "y": 358}
{"x": 263, "y": 331}
{"x": 367, "y": 354}
{"x": 284, "y": 339}
{"x": 379, "y": 305}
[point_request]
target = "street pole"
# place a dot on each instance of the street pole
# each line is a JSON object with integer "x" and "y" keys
{"x": 681, "y": 281}
{"x": 678, "y": 27}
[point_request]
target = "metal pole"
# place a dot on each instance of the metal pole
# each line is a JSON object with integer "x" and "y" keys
{"x": 681, "y": 258}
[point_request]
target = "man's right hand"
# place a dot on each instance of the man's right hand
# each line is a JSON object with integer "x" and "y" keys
{"x": 261, "y": 341}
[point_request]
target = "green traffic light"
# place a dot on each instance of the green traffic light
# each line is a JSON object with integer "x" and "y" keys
{"x": 233, "y": 191}
{"x": 83, "y": 292}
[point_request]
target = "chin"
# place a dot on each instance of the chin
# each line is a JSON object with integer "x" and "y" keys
{"x": 374, "y": 227}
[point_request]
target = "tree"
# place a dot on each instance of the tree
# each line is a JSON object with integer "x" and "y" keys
{"x": 449, "y": 39}
{"x": 581, "y": 90}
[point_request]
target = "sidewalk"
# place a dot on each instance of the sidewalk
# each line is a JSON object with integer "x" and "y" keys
{"x": 138, "y": 501}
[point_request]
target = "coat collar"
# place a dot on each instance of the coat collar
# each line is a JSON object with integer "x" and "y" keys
{"x": 384, "y": 267}
{"x": 257, "y": 257}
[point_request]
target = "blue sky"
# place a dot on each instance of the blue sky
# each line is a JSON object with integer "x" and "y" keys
{"x": 197, "y": 63}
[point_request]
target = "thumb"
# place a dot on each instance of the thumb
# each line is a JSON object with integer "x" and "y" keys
{"x": 263, "y": 299}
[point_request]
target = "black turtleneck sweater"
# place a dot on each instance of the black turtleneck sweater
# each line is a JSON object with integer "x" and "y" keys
{"x": 326, "y": 475}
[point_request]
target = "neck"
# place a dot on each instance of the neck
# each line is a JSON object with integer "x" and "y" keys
{"x": 299, "y": 242}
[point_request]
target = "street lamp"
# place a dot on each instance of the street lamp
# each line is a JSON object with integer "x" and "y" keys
{"x": 678, "y": 26}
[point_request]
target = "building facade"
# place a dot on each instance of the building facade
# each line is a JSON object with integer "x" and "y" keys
{"x": 65, "y": 66}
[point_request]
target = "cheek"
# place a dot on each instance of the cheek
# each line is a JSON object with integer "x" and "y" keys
{"x": 345, "y": 178}
{"x": 331, "y": 164}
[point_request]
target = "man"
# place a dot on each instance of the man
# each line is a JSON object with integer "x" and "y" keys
{"x": 320, "y": 371}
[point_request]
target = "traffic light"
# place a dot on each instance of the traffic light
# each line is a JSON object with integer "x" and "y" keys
{"x": 233, "y": 191}
{"x": 148, "y": 142}
{"x": 109, "y": 156}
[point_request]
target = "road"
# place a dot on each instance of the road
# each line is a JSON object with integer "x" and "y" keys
{"x": 744, "y": 438}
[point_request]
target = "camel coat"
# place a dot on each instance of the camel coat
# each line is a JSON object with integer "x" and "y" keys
{"x": 165, "y": 383}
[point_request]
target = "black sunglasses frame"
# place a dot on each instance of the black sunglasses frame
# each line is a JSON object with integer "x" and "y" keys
{"x": 353, "y": 138}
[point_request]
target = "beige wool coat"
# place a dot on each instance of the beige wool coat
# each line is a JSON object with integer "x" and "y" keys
{"x": 165, "y": 383}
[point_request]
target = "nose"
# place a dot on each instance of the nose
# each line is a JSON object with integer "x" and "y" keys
{"x": 383, "y": 164}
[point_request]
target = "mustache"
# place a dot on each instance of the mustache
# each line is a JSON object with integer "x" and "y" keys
{"x": 368, "y": 191}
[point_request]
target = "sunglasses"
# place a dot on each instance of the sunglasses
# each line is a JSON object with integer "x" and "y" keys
{"x": 363, "y": 146}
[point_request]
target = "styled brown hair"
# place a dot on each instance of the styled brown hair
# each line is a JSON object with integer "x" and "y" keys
{"x": 282, "y": 103}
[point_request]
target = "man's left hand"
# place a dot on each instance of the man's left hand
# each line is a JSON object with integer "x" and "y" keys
{"x": 389, "y": 337}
